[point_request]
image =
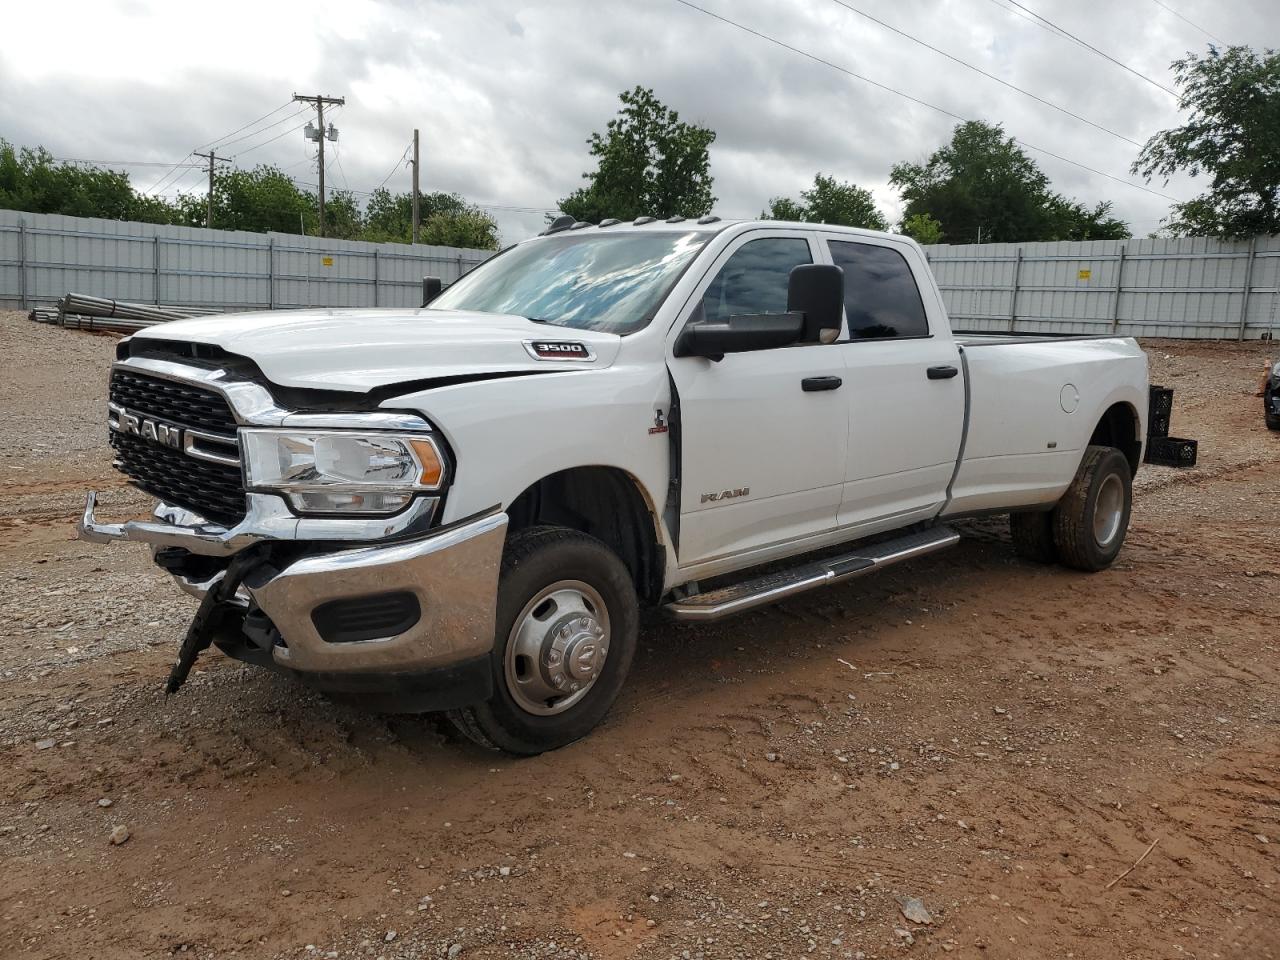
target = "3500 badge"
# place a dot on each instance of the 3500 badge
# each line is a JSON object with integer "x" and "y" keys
{"x": 559, "y": 350}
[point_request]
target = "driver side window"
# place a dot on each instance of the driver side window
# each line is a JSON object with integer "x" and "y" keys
{"x": 754, "y": 279}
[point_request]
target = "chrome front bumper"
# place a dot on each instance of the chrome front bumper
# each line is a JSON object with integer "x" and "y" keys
{"x": 451, "y": 571}
{"x": 267, "y": 519}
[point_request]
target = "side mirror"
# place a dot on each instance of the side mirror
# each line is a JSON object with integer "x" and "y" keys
{"x": 431, "y": 288}
{"x": 816, "y": 290}
{"x": 714, "y": 338}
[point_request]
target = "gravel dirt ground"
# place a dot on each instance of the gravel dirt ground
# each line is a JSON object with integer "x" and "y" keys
{"x": 1000, "y": 740}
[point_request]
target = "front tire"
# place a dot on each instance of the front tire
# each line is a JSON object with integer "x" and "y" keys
{"x": 1091, "y": 519}
{"x": 566, "y": 629}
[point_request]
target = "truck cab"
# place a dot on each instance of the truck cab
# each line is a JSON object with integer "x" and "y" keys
{"x": 463, "y": 506}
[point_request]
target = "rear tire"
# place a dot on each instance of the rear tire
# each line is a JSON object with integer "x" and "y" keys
{"x": 1032, "y": 535}
{"x": 1091, "y": 519}
{"x": 566, "y": 628}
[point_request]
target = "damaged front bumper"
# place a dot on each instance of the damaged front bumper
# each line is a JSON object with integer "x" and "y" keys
{"x": 402, "y": 616}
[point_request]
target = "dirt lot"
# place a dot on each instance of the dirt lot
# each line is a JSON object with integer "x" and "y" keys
{"x": 1000, "y": 740}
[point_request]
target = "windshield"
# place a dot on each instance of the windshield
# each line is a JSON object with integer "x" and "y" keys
{"x": 588, "y": 281}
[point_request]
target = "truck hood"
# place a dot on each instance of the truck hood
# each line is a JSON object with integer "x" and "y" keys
{"x": 360, "y": 350}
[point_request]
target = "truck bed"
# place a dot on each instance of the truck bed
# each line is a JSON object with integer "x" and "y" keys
{"x": 978, "y": 339}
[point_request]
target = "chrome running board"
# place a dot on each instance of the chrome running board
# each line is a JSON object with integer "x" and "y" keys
{"x": 772, "y": 587}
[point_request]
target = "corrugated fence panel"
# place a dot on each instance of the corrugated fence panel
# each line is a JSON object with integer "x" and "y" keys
{"x": 1186, "y": 287}
{"x": 43, "y": 256}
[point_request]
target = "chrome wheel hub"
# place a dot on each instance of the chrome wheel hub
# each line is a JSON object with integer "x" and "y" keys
{"x": 1108, "y": 511}
{"x": 557, "y": 648}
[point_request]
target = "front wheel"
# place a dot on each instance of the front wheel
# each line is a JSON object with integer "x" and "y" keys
{"x": 1091, "y": 519}
{"x": 567, "y": 621}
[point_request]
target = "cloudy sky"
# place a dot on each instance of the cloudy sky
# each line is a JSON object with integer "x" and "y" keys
{"x": 505, "y": 93}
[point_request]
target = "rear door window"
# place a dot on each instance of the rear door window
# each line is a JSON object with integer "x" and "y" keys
{"x": 881, "y": 299}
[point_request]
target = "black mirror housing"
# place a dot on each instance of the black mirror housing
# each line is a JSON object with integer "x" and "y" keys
{"x": 714, "y": 338}
{"x": 431, "y": 288}
{"x": 816, "y": 290}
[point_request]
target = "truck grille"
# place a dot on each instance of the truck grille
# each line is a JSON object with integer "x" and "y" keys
{"x": 213, "y": 490}
{"x": 173, "y": 402}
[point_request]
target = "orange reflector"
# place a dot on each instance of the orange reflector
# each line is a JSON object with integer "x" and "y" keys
{"x": 432, "y": 465}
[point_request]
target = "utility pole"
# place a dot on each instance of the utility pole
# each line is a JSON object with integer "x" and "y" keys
{"x": 417, "y": 220}
{"x": 213, "y": 160}
{"x": 320, "y": 135}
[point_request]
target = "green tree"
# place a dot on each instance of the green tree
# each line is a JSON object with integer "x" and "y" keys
{"x": 829, "y": 201}
{"x": 447, "y": 219}
{"x": 649, "y": 162}
{"x": 1076, "y": 221}
{"x": 784, "y": 208}
{"x": 31, "y": 180}
{"x": 983, "y": 183}
{"x": 257, "y": 200}
{"x": 343, "y": 218}
{"x": 922, "y": 228}
{"x": 1232, "y": 137}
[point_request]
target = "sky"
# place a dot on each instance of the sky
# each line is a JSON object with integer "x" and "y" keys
{"x": 505, "y": 94}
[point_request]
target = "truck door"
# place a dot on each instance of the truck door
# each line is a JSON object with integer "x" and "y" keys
{"x": 904, "y": 387}
{"x": 762, "y": 451}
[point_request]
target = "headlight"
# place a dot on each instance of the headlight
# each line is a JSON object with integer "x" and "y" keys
{"x": 1275, "y": 371}
{"x": 342, "y": 471}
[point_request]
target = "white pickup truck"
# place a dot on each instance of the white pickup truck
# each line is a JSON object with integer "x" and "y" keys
{"x": 462, "y": 507}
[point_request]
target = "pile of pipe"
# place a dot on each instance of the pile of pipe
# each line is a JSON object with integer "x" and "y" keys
{"x": 79, "y": 311}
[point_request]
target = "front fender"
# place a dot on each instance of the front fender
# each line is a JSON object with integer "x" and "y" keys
{"x": 507, "y": 434}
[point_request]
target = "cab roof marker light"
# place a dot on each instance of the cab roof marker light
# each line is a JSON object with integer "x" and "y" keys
{"x": 558, "y": 224}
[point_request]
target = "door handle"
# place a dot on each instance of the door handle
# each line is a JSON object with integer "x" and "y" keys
{"x": 814, "y": 384}
{"x": 942, "y": 373}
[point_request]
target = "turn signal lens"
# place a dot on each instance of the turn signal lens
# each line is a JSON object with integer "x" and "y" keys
{"x": 429, "y": 457}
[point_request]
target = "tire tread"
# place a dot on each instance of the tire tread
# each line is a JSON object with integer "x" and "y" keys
{"x": 475, "y": 722}
{"x": 1072, "y": 533}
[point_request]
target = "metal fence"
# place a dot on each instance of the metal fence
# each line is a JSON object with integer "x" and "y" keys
{"x": 1192, "y": 288}
{"x": 43, "y": 256}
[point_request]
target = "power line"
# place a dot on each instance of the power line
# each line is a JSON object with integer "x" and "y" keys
{"x": 907, "y": 96}
{"x": 164, "y": 178}
{"x": 337, "y": 159}
{"x": 272, "y": 140}
{"x": 989, "y": 76}
{"x": 1047, "y": 24}
{"x": 218, "y": 142}
{"x": 166, "y": 182}
{"x": 475, "y": 203}
{"x": 1192, "y": 22}
{"x": 249, "y": 136}
{"x": 123, "y": 163}
{"x": 395, "y": 167}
